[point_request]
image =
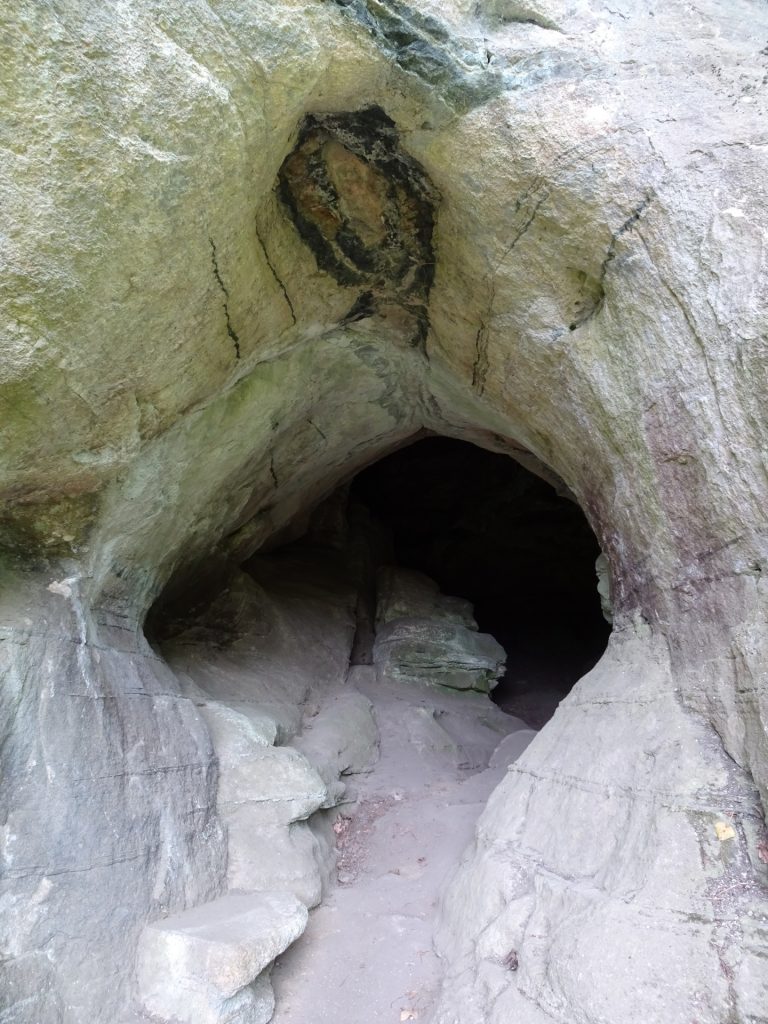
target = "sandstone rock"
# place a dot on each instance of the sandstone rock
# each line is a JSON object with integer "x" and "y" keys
{"x": 640, "y": 859}
{"x": 405, "y": 593}
{"x": 439, "y": 654}
{"x": 751, "y": 980}
{"x": 242, "y": 648}
{"x": 262, "y": 856}
{"x": 511, "y": 747}
{"x": 263, "y": 791}
{"x": 342, "y": 739}
{"x": 603, "y": 570}
{"x": 198, "y": 967}
{"x": 277, "y": 784}
{"x": 237, "y": 730}
{"x": 269, "y": 637}
{"x": 181, "y": 380}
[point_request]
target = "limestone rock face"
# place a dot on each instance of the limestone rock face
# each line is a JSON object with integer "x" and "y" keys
{"x": 186, "y": 372}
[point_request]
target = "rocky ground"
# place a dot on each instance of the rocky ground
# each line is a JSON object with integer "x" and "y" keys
{"x": 367, "y": 952}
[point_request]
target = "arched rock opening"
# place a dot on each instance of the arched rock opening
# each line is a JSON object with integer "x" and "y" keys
{"x": 352, "y": 636}
{"x": 479, "y": 526}
{"x": 596, "y": 298}
{"x": 489, "y": 530}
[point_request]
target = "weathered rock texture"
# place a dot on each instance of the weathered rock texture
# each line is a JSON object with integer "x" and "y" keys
{"x": 406, "y": 594}
{"x": 428, "y": 638}
{"x": 437, "y": 653}
{"x": 200, "y": 966}
{"x": 182, "y": 378}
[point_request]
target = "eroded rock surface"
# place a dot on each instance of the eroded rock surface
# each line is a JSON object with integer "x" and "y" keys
{"x": 367, "y": 210}
{"x": 406, "y": 594}
{"x": 264, "y": 664}
{"x": 199, "y": 967}
{"x": 437, "y": 653}
{"x": 183, "y": 380}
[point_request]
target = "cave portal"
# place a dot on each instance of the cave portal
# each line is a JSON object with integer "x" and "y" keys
{"x": 487, "y": 529}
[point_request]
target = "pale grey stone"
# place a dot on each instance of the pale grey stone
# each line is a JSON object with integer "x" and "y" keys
{"x": 295, "y": 857}
{"x": 751, "y": 976}
{"x": 438, "y": 653}
{"x": 511, "y": 747}
{"x": 341, "y": 739}
{"x": 407, "y": 594}
{"x": 198, "y": 967}
{"x": 277, "y": 784}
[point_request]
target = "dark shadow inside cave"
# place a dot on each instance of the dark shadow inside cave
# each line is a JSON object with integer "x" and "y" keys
{"x": 487, "y": 529}
{"x": 479, "y": 524}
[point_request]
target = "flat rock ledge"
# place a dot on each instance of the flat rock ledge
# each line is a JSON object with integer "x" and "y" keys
{"x": 208, "y": 965}
{"x": 438, "y": 653}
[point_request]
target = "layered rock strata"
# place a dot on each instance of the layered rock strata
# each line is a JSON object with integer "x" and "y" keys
{"x": 182, "y": 381}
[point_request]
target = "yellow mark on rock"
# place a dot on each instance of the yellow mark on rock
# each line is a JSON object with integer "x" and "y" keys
{"x": 724, "y": 831}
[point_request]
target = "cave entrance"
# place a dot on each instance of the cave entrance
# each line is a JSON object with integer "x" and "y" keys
{"x": 331, "y": 757}
{"x": 486, "y": 529}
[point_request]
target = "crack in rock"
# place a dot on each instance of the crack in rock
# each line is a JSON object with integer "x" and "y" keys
{"x": 276, "y": 276}
{"x": 225, "y": 304}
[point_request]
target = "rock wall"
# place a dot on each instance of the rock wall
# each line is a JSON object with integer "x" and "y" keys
{"x": 183, "y": 378}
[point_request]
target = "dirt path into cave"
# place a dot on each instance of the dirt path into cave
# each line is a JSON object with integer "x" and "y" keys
{"x": 367, "y": 952}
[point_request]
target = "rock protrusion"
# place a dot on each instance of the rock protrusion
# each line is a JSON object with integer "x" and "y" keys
{"x": 265, "y": 796}
{"x": 341, "y": 740}
{"x": 425, "y": 636}
{"x": 208, "y": 965}
{"x": 406, "y": 593}
{"x": 439, "y": 654}
{"x": 603, "y": 571}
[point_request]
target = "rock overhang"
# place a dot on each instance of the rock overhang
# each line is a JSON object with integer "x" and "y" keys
{"x": 651, "y": 408}
{"x": 570, "y": 245}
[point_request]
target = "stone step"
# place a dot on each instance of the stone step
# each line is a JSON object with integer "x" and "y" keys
{"x": 208, "y": 965}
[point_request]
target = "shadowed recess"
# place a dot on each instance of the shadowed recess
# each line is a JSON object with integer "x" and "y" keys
{"x": 488, "y": 530}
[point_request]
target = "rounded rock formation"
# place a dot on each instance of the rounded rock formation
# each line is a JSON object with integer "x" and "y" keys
{"x": 250, "y": 248}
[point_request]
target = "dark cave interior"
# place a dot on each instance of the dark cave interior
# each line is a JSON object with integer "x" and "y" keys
{"x": 483, "y": 527}
{"x": 487, "y": 529}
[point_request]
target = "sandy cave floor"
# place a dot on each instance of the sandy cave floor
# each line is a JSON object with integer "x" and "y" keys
{"x": 367, "y": 952}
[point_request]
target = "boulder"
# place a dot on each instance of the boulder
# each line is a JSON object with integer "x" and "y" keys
{"x": 406, "y": 593}
{"x": 263, "y": 792}
{"x": 296, "y": 858}
{"x": 200, "y": 966}
{"x": 341, "y": 739}
{"x": 438, "y": 654}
